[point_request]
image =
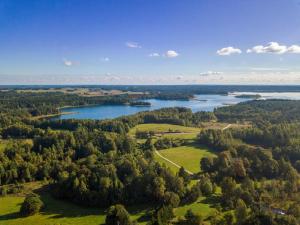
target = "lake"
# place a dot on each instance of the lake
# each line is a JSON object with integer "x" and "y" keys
{"x": 199, "y": 103}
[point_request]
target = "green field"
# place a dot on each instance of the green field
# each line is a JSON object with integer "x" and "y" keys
{"x": 59, "y": 212}
{"x": 202, "y": 207}
{"x": 163, "y": 128}
{"x": 187, "y": 156}
{"x": 64, "y": 213}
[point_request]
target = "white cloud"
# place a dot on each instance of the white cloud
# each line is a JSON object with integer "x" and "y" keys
{"x": 68, "y": 62}
{"x": 154, "y": 54}
{"x": 268, "y": 69}
{"x": 274, "y": 48}
{"x": 105, "y": 59}
{"x": 229, "y": 51}
{"x": 171, "y": 54}
{"x": 208, "y": 73}
{"x": 133, "y": 45}
{"x": 294, "y": 49}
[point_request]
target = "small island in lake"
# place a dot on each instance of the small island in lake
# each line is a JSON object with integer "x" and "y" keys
{"x": 253, "y": 96}
{"x": 140, "y": 103}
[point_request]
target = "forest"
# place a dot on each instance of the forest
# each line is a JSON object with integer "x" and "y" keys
{"x": 252, "y": 179}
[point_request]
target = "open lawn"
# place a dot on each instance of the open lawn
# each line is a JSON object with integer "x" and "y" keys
{"x": 65, "y": 213}
{"x": 59, "y": 212}
{"x": 187, "y": 156}
{"x": 163, "y": 128}
{"x": 204, "y": 206}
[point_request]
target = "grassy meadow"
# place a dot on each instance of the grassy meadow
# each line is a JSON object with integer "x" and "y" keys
{"x": 187, "y": 156}
{"x": 65, "y": 213}
{"x": 59, "y": 212}
{"x": 163, "y": 128}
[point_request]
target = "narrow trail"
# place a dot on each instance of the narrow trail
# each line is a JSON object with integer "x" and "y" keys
{"x": 175, "y": 164}
{"x": 228, "y": 126}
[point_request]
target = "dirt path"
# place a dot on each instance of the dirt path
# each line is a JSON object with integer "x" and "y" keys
{"x": 228, "y": 126}
{"x": 178, "y": 166}
{"x": 175, "y": 164}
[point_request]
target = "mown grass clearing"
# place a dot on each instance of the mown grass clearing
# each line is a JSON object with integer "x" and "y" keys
{"x": 163, "y": 128}
{"x": 187, "y": 156}
{"x": 60, "y": 212}
{"x": 166, "y": 163}
{"x": 185, "y": 136}
{"x": 204, "y": 207}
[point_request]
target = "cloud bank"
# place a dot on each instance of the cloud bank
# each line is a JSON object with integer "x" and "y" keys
{"x": 275, "y": 48}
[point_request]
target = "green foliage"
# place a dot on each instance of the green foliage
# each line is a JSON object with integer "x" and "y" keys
{"x": 31, "y": 205}
{"x": 165, "y": 143}
{"x": 216, "y": 139}
{"x": 192, "y": 218}
{"x": 162, "y": 216}
{"x": 241, "y": 211}
{"x": 117, "y": 215}
{"x": 206, "y": 187}
{"x": 261, "y": 112}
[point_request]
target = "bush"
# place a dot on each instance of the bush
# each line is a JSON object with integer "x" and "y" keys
{"x": 117, "y": 214}
{"x": 31, "y": 205}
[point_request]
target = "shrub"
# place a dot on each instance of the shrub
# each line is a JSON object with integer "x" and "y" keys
{"x": 117, "y": 214}
{"x": 31, "y": 205}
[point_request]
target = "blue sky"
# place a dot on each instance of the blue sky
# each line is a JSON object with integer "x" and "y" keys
{"x": 149, "y": 42}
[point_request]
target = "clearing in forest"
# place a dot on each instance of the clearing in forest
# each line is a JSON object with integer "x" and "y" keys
{"x": 187, "y": 156}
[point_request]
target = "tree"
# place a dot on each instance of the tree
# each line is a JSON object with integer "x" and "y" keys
{"x": 192, "y": 218}
{"x": 228, "y": 187}
{"x": 207, "y": 164}
{"x": 192, "y": 195}
{"x": 171, "y": 198}
{"x": 148, "y": 145}
{"x": 162, "y": 215}
{"x": 206, "y": 187}
{"x": 228, "y": 218}
{"x": 241, "y": 211}
{"x": 182, "y": 173}
{"x": 159, "y": 187}
{"x": 31, "y": 205}
{"x": 117, "y": 215}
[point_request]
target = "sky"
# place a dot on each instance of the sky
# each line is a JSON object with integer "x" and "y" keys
{"x": 149, "y": 42}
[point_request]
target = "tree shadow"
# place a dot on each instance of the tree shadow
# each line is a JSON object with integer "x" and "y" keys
{"x": 10, "y": 216}
{"x": 212, "y": 201}
{"x": 13, "y": 215}
{"x": 57, "y": 208}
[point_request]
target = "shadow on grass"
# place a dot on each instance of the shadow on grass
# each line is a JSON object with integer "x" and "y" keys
{"x": 58, "y": 209}
{"x": 212, "y": 201}
{"x": 195, "y": 144}
{"x": 10, "y": 216}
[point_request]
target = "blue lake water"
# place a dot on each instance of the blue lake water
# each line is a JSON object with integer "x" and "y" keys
{"x": 200, "y": 103}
